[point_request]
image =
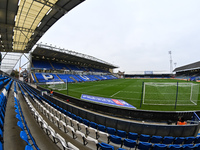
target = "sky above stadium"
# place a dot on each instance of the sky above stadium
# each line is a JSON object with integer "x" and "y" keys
{"x": 135, "y": 35}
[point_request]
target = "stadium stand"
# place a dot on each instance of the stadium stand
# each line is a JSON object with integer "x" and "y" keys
{"x": 57, "y": 122}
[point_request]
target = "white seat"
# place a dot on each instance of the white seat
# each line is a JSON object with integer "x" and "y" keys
{"x": 70, "y": 131}
{"x": 62, "y": 126}
{"x": 56, "y": 121}
{"x": 74, "y": 124}
{"x": 82, "y": 127}
{"x": 68, "y": 120}
{"x": 51, "y": 133}
{"x": 102, "y": 136}
{"x": 92, "y": 132}
{"x": 61, "y": 140}
{"x": 79, "y": 136}
{"x": 70, "y": 145}
{"x": 59, "y": 115}
{"x": 62, "y": 117}
{"x": 90, "y": 142}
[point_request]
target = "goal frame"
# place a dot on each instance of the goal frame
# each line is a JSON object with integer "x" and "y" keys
{"x": 192, "y": 97}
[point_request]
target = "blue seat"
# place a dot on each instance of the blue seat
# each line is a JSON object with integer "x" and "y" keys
{"x": 111, "y": 130}
{"x": 179, "y": 140}
{"x": 20, "y": 124}
{"x": 121, "y": 133}
{"x": 101, "y": 127}
{"x": 129, "y": 143}
{"x": 159, "y": 147}
{"x": 189, "y": 140}
{"x": 156, "y": 139}
{"x": 93, "y": 125}
{"x": 168, "y": 140}
{"x": 79, "y": 119}
{"x": 24, "y": 136}
{"x": 144, "y": 146}
{"x": 105, "y": 146}
{"x": 121, "y": 149}
{"x": 132, "y": 136}
{"x": 18, "y": 117}
{"x": 115, "y": 139}
{"x": 197, "y": 147}
{"x": 174, "y": 147}
{"x": 187, "y": 147}
{"x": 29, "y": 147}
{"x": 144, "y": 138}
{"x": 86, "y": 122}
{"x": 1, "y": 146}
{"x": 197, "y": 140}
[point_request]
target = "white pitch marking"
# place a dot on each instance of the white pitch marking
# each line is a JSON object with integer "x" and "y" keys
{"x": 115, "y": 94}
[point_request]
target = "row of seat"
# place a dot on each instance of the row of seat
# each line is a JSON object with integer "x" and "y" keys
{"x": 150, "y": 146}
{"x": 25, "y": 133}
{"x": 55, "y": 137}
{"x": 3, "y": 103}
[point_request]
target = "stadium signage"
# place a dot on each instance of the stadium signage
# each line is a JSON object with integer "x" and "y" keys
{"x": 109, "y": 101}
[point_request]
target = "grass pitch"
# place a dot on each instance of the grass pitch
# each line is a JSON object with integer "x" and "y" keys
{"x": 129, "y": 90}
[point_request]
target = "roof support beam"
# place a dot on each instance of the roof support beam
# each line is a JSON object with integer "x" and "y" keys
{"x": 4, "y": 26}
{"x": 53, "y": 6}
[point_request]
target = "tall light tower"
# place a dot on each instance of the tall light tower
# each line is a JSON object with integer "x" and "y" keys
{"x": 171, "y": 67}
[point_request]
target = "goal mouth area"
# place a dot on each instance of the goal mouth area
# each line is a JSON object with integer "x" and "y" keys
{"x": 174, "y": 93}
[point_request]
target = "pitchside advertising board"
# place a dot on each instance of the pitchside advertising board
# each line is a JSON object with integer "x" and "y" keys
{"x": 109, "y": 101}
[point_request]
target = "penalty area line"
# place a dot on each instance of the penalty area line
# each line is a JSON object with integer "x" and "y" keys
{"x": 115, "y": 94}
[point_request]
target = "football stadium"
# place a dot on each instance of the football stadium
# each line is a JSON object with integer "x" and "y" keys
{"x": 72, "y": 101}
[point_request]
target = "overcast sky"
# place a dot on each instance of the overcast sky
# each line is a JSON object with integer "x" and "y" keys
{"x": 135, "y": 35}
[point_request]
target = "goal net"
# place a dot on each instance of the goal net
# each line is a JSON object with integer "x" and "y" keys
{"x": 57, "y": 84}
{"x": 158, "y": 93}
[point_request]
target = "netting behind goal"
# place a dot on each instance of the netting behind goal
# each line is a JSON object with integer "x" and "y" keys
{"x": 158, "y": 93}
{"x": 57, "y": 84}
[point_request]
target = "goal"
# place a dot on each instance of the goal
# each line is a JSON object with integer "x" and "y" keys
{"x": 57, "y": 84}
{"x": 179, "y": 93}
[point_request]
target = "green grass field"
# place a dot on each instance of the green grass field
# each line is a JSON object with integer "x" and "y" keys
{"x": 130, "y": 90}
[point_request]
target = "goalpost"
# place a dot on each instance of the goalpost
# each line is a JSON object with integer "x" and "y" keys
{"x": 173, "y": 93}
{"x": 57, "y": 84}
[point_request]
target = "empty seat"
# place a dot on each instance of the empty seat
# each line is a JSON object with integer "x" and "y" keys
{"x": 159, "y": 147}
{"x": 188, "y": 147}
{"x": 90, "y": 142}
{"x": 116, "y": 141}
{"x": 101, "y": 127}
{"x": 156, "y": 139}
{"x": 168, "y": 140}
{"x": 93, "y": 125}
{"x": 24, "y": 136}
{"x": 70, "y": 130}
{"x": 129, "y": 144}
{"x": 121, "y": 133}
{"x": 105, "y": 146}
{"x": 133, "y": 136}
{"x": 28, "y": 147}
{"x": 144, "y": 146}
{"x": 79, "y": 136}
{"x": 174, "y": 147}
{"x": 102, "y": 136}
{"x": 111, "y": 131}
{"x": 92, "y": 132}
{"x": 189, "y": 140}
{"x": 144, "y": 138}
{"x": 74, "y": 124}
{"x": 82, "y": 127}
{"x": 62, "y": 141}
{"x": 179, "y": 140}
